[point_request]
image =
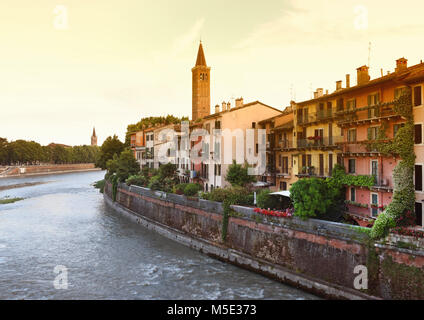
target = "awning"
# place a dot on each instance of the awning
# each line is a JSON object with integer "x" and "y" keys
{"x": 284, "y": 193}
{"x": 260, "y": 184}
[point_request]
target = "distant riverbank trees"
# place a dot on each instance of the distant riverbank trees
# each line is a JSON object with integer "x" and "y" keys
{"x": 22, "y": 152}
{"x": 149, "y": 122}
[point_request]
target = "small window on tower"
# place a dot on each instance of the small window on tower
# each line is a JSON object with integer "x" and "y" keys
{"x": 201, "y": 76}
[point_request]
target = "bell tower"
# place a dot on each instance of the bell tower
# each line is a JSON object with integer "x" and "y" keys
{"x": 94, "y": 138}
{"x": 201, "y": 99}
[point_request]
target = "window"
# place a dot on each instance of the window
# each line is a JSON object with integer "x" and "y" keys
{"x": 352, "y": 194}
{"x": 373, "y": 99}
{"x": 372, "y": 133}
{"x": 418, "y": 181}
{"x": 217, "y": 124}
{"x": 285, "y": 168}
{"x": 400, "y": 92}
{"x": 279, "y": 160}
{"x": 351, "y": 104}
{"x": 283, "y": 185}
{"x": 418, "y": 138}
{"x": 352, "y": 165}
{"x": 351, "y": 135}
{"x": 340, "y": 104}
{"x": 419, "y": 213}
{"x": 417, "y": 96}
{"x": 374, "y": 169}
{"x": 396, "y": 128}
{"x": 253, "y": 125}
{"x": 374, "y": 202}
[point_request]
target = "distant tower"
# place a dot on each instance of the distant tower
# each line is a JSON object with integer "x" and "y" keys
{"x": 94, "y": 138}
{"x": 201, "y": 103}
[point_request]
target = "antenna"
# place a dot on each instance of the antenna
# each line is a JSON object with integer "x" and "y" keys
{"x": 369, "y": 55}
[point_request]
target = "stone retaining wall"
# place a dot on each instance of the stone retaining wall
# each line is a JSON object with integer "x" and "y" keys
{"x": 315, "y": 255}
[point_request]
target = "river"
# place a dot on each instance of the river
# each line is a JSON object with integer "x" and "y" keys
{"x": 65, "y": 222}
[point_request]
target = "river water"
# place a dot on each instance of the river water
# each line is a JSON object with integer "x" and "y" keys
{"x": 103, "y": 255}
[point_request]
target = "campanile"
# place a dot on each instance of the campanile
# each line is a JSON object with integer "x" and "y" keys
{"x": 201, "y": 99}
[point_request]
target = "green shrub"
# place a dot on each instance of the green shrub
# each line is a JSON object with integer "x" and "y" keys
{"x": 382, "y": 226}
{"x": 238, "y": 175}
{"x": 137, "y": 180}
{"x": 155, "y": 183}
{"x": 266, "y": 201}
{"x": 100, "y": 185}
{"x": 179, "y": 188}
{"x": 192, "y": 189}
{"x": 311, "y": 197}
{"x": 238, "y": 195}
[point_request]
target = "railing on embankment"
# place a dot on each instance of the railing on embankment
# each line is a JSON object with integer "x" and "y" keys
{"x": 319, "y": 256}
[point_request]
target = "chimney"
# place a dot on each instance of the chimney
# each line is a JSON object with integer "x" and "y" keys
{"x": 224, "y": 106}
{"x": 363, "y": 76}
{"x": 348, "y": 81}
{"x": 228, "y": 105}
{"x": 320, "y": 92}
{"x": 217, "y": 108}
{"x": 401, "y": 64}
{"x": 315, "y": 95}
{"x": 338, "y": 85}
{"x": 239, "y": 102}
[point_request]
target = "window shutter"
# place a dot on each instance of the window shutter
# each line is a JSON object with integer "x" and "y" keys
{"x": 369, "y": 134}
{"x": 369, "y": 100}
{"x": 418, "y": 134}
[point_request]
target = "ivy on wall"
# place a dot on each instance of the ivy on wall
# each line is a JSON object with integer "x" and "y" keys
{"x": 403, "y": 175}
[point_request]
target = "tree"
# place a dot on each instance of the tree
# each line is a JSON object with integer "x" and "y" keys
{"x": 311, "y": 197}
{"x": 127, "y": 165}
{"x": 4, "y": 151}
{"x": 238, "y": 175}
{"x": 111, "y": 146}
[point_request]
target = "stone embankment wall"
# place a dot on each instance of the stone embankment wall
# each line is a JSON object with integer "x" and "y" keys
{"x": 315, "y": 255}
{"x": 45, "y": 169}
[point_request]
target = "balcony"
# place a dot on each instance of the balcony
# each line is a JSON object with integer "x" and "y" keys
{"x": 362, "y": 148}
{"x": 319, "y": 116}
{"x": 317, "y": 142}
{"x": 284, "y": 145}
{"x": 284, "y": 172}
{"x": 367, "y": 115}
{"x": 320, "y": 172}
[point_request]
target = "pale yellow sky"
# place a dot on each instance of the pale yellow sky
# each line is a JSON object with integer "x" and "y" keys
{"x": 117, "y": 61}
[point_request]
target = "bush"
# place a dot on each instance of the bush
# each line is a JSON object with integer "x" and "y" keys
{"x": 155, "y": 183}
{"x": 266, "y": 201}
{"x": 179, "y": 188}
{"x": 311, "y": 197}
{"x": 238, "y": 175}
{"x": 100, "y": 185}
{"x": 127, "y": 165}
{"x": 192, "y": 189}
{"x": 137, "y": 180}
{"x": 238, "y": 195}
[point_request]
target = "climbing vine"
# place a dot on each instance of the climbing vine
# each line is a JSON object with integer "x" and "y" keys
{"x": 403, "y": 175}
{"x": 114, "y": 180}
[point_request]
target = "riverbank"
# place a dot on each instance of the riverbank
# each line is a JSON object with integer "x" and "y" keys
{"x": 39, "y": 170}
{"x": 21, "y": 185}
{"x": 317, "y": 256}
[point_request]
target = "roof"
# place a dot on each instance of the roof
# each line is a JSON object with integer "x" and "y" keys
{"x": 201, "y": 61}
{"x": 410, "y": 74}
{"x": 288, "y": 125}
{"x": 216, "y": 115}
{"x": 286, "y": 111}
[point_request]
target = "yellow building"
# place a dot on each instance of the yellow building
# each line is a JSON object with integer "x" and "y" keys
{"x": 316, "y": 135}
{"x": 280, "y": 150}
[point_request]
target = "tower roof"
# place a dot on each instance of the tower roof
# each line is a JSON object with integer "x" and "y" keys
{"x": 94, "y": 131}
{"x": 201, "y": 61}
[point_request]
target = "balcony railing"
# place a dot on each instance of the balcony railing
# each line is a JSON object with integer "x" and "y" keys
{"x": 367, "y": 113}
{"x": 320, "y": 115}
{"x": 281, "y": 172}
{"x": 358, "y": 147}
{"x": 314, "y": 172}
{"x": 319, "y": 142}
{"x": 285, "y": 144}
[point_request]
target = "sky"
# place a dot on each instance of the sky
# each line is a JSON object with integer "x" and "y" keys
{"x": 67, "y": 66}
